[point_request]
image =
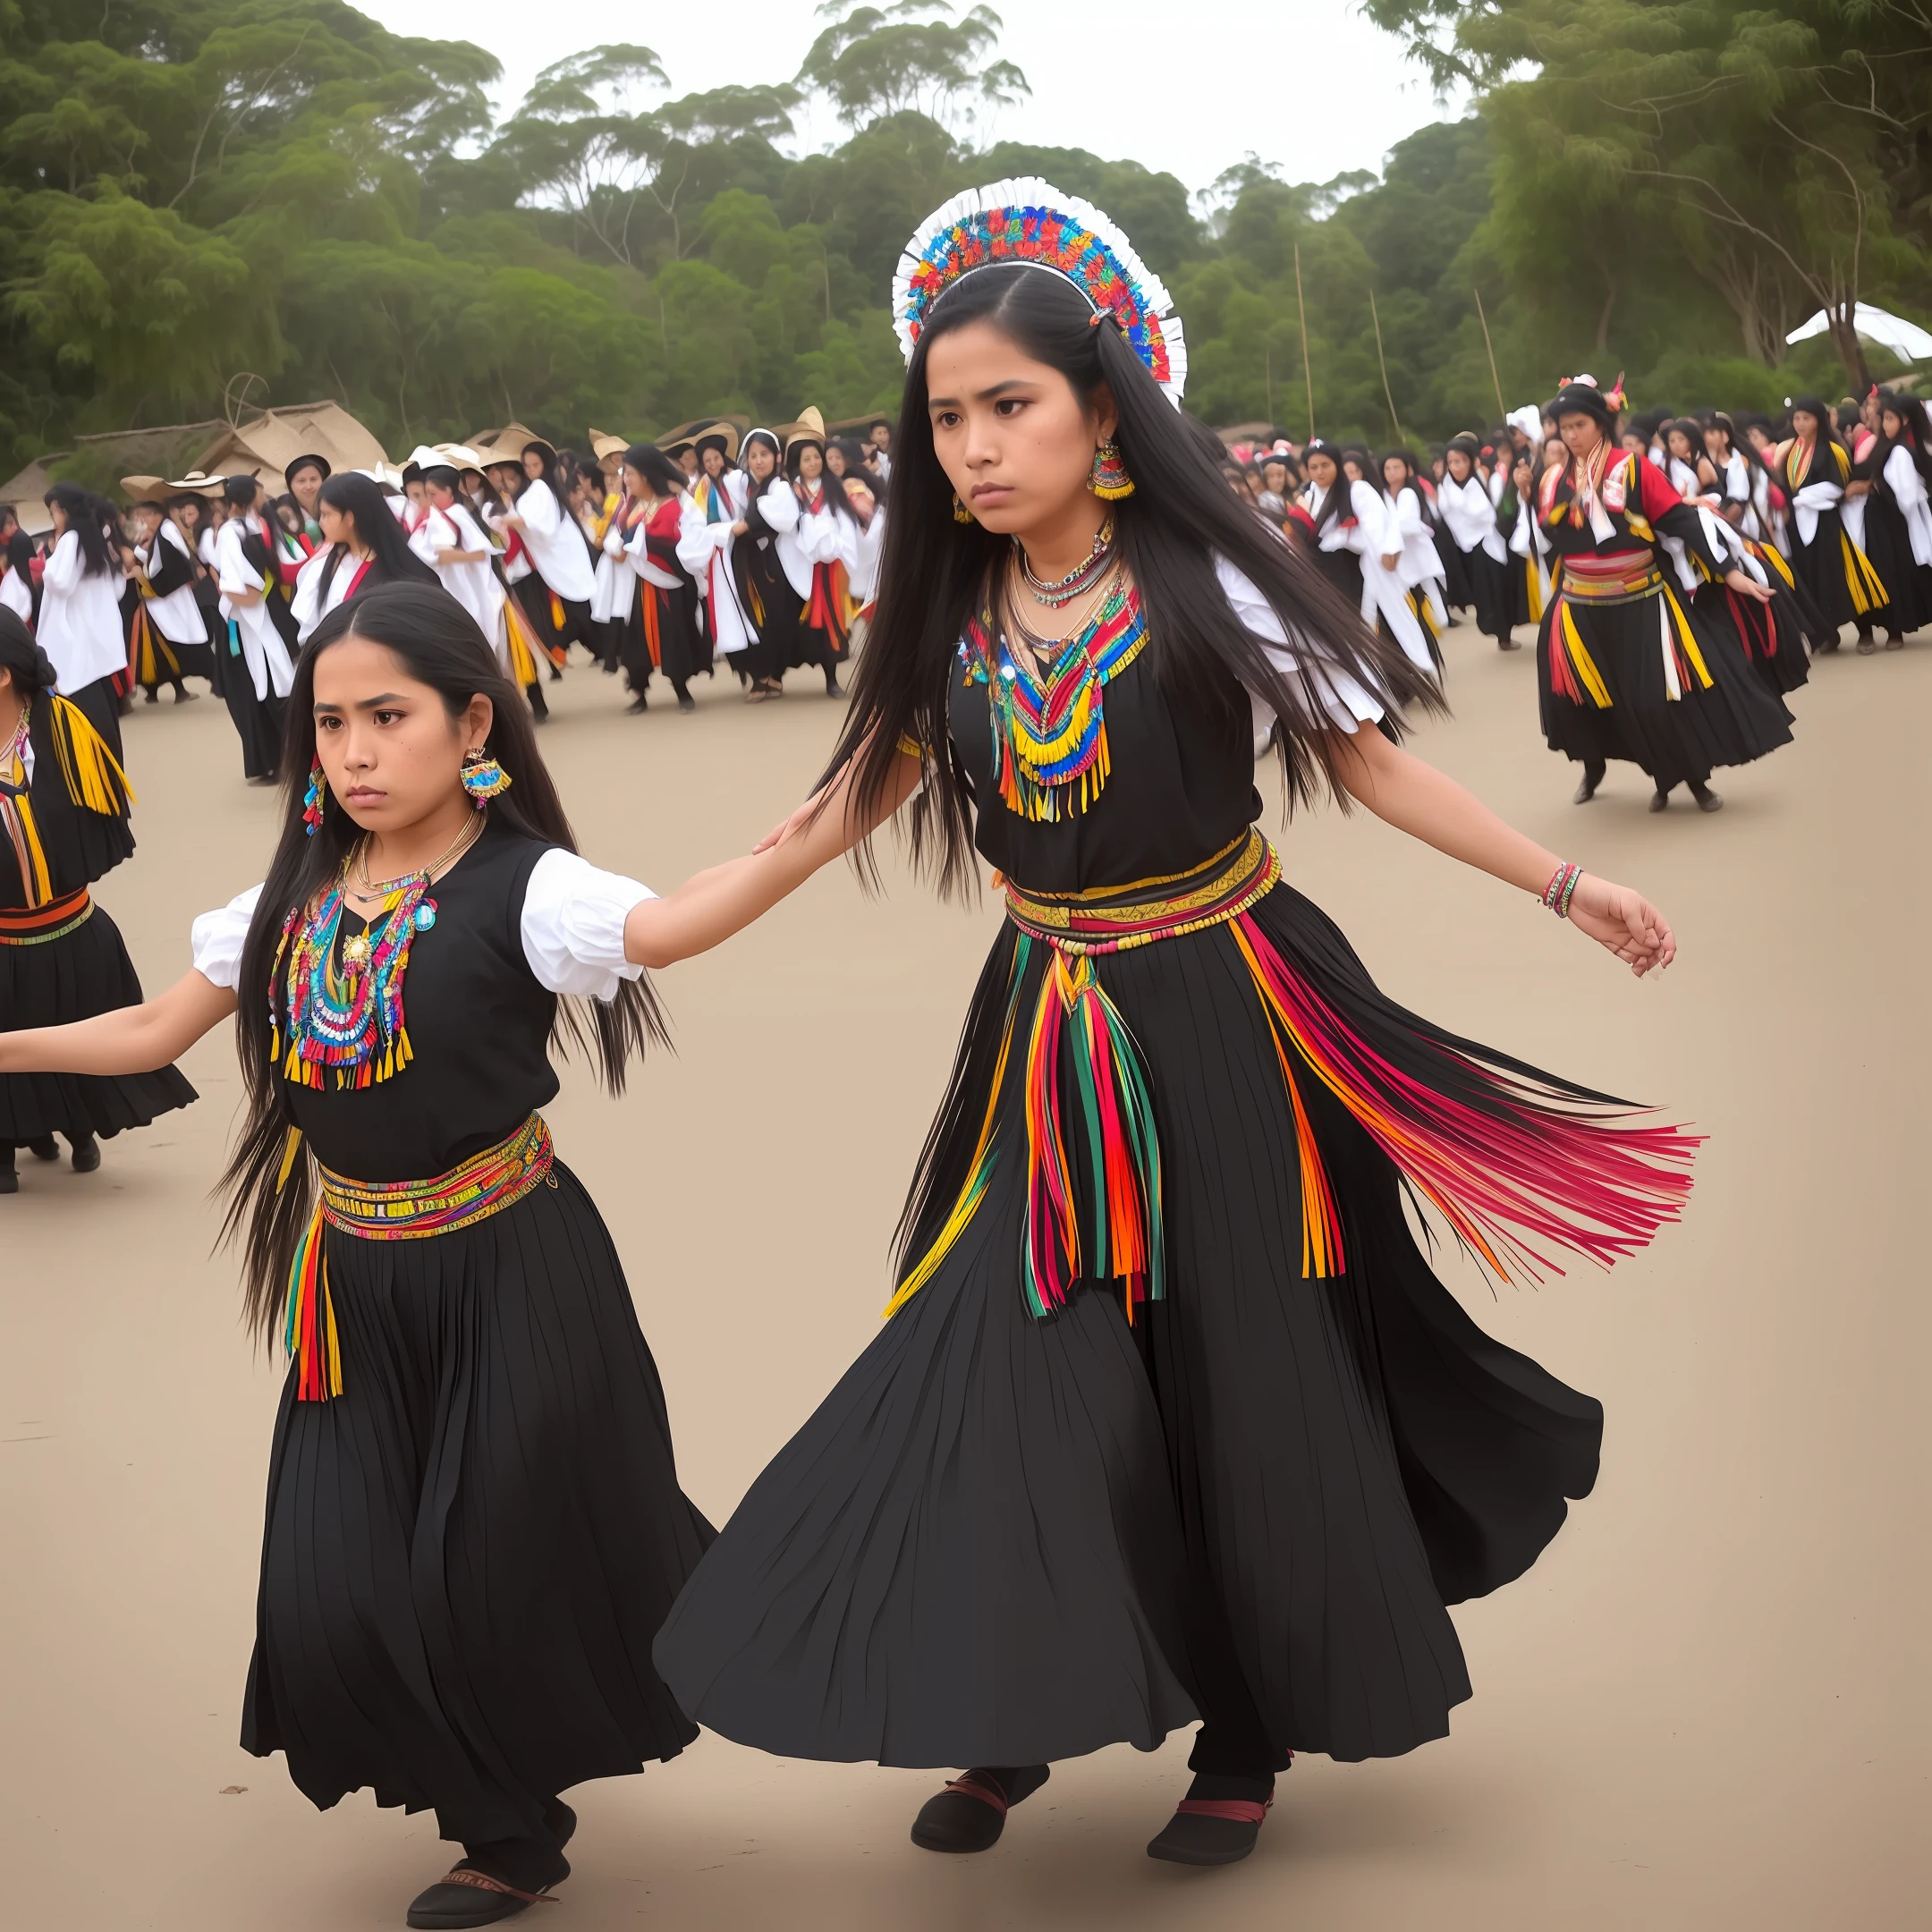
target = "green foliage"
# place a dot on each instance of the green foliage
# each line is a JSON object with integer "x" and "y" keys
{"x": 189, "y": 191}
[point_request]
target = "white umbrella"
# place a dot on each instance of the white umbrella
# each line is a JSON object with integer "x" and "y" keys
{"x": 1891, "y": 332}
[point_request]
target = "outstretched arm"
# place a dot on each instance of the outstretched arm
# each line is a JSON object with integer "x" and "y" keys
{"x": 130, "y": 1039}
{"x": 1417, "y": 798}
{"x": 711, "y": 905}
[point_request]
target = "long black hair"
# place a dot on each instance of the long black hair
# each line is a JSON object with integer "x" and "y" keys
{"x": 32, "y": 669}
{"x": 439, "y": 644}
{"x": 90, "y": 518}
{"x": 553, "y": 468}
{"x": 655, "y": 467}
{"x": 1916, "y": 437}
{"x": 1180, "y": 519}
{"x": 1340, "y": 494}
{"x": 831, "y": 487}
{"x": 391, "y": 559}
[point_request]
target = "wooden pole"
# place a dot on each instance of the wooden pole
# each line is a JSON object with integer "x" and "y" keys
{"x": 1502, "y": 407}
{"x": 1388, "y": 395}
{"x": 1307, "y": 375}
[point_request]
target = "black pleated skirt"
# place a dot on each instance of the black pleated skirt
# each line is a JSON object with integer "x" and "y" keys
{"x": 1734, "y": 720}
{"x": 470, "y": 1550}
{"x": 1829, "y": 569}
{"x": 84, "y": 972}
{"x": 981, "y": 1549}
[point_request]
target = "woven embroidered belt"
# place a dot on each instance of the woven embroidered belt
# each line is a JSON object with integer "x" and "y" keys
{"x": 414, "y": 1210}
{"x": 1115, "y": 918}
{"x": 1619, "y": 580}
{"x": 397, "y": 1210}
{"x": 37, "y": 925}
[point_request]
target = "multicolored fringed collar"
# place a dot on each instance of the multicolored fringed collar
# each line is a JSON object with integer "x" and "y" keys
{"x": 339, "y": 1019}
{"x": 1049, "y": 735}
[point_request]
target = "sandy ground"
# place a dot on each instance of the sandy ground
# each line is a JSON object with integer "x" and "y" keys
{"x": 1706, "y": 1706}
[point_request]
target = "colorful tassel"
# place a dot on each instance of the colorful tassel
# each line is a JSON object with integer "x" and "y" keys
{"x": 309, "y": 1329}
{"x": 1511, "y": 1158}
{"x": 1125, "y": 1240}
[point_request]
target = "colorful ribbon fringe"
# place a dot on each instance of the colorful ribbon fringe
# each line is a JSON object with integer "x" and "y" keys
{"x": 1515, "y": 1167}
{"x": 394, "y": 1210}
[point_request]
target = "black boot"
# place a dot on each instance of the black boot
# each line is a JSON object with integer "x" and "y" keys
{"x": 540, "y": 705}
{"x": 970, "y": 1813}
{"x": 832, "y": 687}
{"x": 1593, "y": 777}
{"x": 1217, "y": 1823}
{"x": 685, "y": 702}
{"x": 1660, "y": 799}
{"x": 86, "y": 1156}
{"x": 1707, "y": 800}
{"x": 47, "y": 1148}
{"x": 9, "y": 1175}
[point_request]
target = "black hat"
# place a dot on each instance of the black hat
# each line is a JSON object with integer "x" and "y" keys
{"x": 1586, "y": 399}
{"x": 310, "y": 461}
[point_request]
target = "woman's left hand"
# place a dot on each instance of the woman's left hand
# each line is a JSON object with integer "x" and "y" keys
{"x": 1746, "y": 585}
{"x": 1625, "y": 922}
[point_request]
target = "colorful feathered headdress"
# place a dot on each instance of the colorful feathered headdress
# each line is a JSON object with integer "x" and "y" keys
{"x": 1030, "y": 221}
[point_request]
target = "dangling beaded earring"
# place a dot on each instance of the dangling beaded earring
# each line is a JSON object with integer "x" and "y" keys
{"x": 483, "y": 777}
{"x": 1110, "y": 480}
{"x": 961, "y": 513}
{"x": 314, "y": 799}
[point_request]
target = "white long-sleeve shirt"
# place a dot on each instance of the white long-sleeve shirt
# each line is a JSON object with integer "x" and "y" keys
{"x": 556, "y": 544}
{"x": 81, "y": 617}
{"x": 262, "y": 649}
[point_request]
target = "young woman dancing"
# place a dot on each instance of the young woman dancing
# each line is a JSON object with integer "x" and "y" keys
{"x": 1625, "y": 667}
{"x": 1170, "y": 1419}
{"x": 474, "y": 1524}
{"x": 64, "y": 822}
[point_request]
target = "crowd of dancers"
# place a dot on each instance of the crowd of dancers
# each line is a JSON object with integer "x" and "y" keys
{"x": 708, "y": 546}
{"x": 1170, "y": 1419}
{"x": 1767, "y": 540}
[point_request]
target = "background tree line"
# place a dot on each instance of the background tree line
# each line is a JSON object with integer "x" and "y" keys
{"x": 189, "y": 191}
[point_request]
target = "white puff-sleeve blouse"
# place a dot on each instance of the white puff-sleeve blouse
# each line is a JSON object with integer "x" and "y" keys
{"x": 572, "y": 929}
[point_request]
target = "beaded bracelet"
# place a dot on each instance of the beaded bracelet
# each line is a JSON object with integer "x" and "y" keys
{"x": 1561, "y": 888}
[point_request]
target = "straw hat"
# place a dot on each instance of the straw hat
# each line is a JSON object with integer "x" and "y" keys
{"x": 195, "y": 484}
{"x": 604, "y": 443}
{"x": 142, "y": 488}
{"x": 810, "y": 428}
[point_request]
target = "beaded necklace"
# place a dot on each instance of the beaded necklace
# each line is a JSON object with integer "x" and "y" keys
{"x": 1082, "y": 577}
{"x": 344, "y": 1024}
{"x": 1049, "y": 732}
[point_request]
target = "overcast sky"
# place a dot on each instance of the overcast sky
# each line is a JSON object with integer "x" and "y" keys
{"x": 1188, "y": 88}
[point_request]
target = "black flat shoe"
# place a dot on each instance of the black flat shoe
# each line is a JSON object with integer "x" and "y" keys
{"x": 1707, "y": 800}
{"x": 9, "y": 1181}
{"x": 468, "y": 1897}
{"x": 45, "y": 1148}
{"x": 1660, "y": 801}
{"x": 970, "y": 1813}
{"x": 636, "y": 704}
{"x": 86, "y": 1156}
{"x": 686, "y": 702}
{"x": 1586, "y": 792}
{"x": 1213, "y": 1831}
